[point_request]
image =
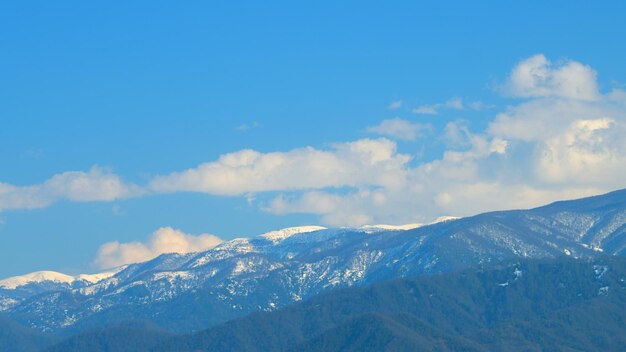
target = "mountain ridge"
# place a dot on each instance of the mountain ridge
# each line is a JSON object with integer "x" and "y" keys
{"x": 547, "y": 304}
{"x": 259, "y": 274}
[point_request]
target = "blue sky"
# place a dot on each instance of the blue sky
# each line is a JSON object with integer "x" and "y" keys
{"x": 117, "y": 101}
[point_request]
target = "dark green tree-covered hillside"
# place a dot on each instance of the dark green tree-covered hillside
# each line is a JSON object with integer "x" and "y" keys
{"x": 17, "y": 338}
{"x": 128, "y": 337}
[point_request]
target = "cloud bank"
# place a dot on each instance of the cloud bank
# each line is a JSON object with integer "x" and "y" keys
{"x": 97, "y": 184}
{"x": 366, "y": 162}
{"x": 561, "y": 138}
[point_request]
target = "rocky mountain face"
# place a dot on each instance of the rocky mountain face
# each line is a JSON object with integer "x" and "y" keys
{"x": 188, "y": 292}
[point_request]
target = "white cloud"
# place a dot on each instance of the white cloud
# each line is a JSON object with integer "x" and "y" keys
{"x": 581, "y": 153}
{"x": 352, "y": 209}
{"x": 426, "y": 110}
{"x": 454, "y": 103}
{"x": 164, "y": 240}
{"x": 97, "y": 184}
{"x": 366, "y": 162}
{"x": 399, "y": 128}
{"x": 395, "y": 105}
{"x": 457, "y": 134}
{"x": 564, "y": 141}
{"x": 538, "y": 77}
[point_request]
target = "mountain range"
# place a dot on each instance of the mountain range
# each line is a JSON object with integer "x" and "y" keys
{"x": 185, "y": 293}
{"x": 559, "y": 304}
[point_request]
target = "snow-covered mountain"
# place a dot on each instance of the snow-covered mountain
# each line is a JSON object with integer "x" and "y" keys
{"x": 15, "y": 290}
{"x": 184, "y": 292}
{"x": 53, "y": 277}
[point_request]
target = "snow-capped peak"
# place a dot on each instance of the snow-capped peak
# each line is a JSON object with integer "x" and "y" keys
{"x": 279, "y": 235}
{"x": 383, "y": 227}
{"x": 52, "y": 276}
{"x": 36, "y": 277}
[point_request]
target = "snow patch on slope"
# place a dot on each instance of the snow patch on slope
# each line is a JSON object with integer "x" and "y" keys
{"x": 7, "y": 303}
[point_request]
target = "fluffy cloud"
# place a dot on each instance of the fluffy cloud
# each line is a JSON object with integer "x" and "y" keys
{"x": 417, "y": 197}
{"x": 356, "y": 208}
{"x": 164, "y": 240}
{"x": 366, "y": 162}
{"x": 538, "y": 77}
{"x": 562, "y": 138}
{"x": 97, "y": 184}
{"x": 399, "y": 128}
{"x": 565, "y": 140}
